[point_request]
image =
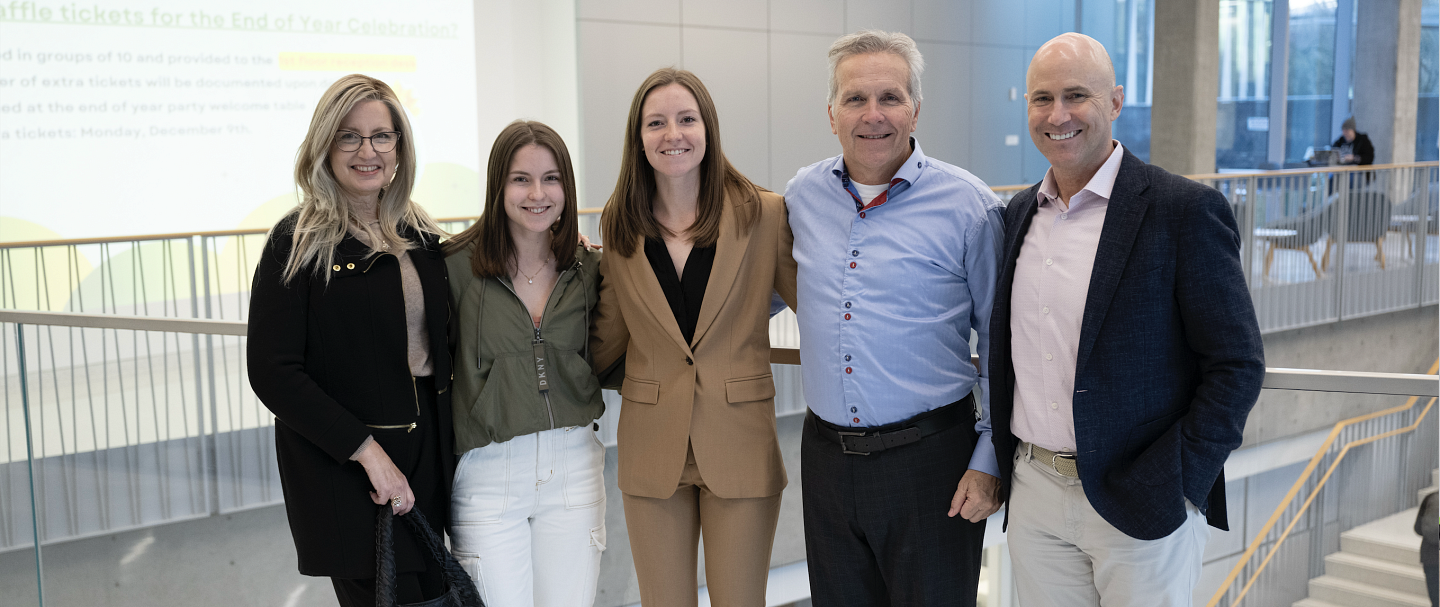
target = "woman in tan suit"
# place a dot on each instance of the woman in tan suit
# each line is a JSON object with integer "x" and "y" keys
{"x": 694, "y": 251}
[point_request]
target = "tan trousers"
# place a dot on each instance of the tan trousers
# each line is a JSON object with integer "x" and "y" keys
{"x": 1066, "y": 555}
{"x": 664, "y": 536}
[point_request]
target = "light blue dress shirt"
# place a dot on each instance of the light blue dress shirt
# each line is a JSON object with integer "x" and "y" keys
{"x": 888, "y": 295}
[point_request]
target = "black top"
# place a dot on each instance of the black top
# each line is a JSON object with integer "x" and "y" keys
{"x": 1363, "y": 150}
{"x": 325, "y": 380}
{"x": 685, "y": 293}
{"x": 1427, "y": 525}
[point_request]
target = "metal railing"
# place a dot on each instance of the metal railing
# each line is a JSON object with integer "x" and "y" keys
{"x": 123, "y": 422}
{"x": 131, "y": 421}
{"x": 1389, "y": 259}
{"x": 1378, "y": 462}
{"x": 1322, "y": 245}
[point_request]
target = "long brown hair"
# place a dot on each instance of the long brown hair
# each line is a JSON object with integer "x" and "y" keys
{"x": 494, "y": 248}
{"x": 627, "y": 217}
{"x": 324, "y": 211}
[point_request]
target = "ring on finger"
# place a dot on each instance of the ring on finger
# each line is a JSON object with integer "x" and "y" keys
{"x": 396, "y": 500}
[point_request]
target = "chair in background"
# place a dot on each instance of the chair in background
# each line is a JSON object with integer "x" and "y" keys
{"x": 1367, "y": 220}
{"x": 1411, "y": 216}
{"x": 1297, "y": 233}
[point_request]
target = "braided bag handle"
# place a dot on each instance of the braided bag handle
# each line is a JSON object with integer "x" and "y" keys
{"x": 384, "y": 557}
{"x": 459, "y": 588}
{"x": 459, "y": 585}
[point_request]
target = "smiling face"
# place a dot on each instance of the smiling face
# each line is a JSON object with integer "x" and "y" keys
{"x": 672, "y": 132}
{"x": 873, "y": 115}
{"x": 534, "y": 192}
{"x": 362, "y": 173}
{"x": 1072, "y": 99}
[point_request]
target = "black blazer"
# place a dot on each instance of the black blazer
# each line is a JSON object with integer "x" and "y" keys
{"x": 327, "y": 359}
{"x": 1170, "y": 359}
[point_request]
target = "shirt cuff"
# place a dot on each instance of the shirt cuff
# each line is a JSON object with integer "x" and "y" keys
{"x": 355, "y": 457}
{"x": 983, "y": 459}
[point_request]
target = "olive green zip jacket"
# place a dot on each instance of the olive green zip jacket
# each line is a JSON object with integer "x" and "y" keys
{"x": 500, "y": 366}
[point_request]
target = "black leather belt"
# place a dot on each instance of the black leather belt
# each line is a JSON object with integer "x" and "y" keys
{"x": 864, "y": 441}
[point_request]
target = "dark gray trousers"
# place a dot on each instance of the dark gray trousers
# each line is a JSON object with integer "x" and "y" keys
{"x": 876, "y": 534}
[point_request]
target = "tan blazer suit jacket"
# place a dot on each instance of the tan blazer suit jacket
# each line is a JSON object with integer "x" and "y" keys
{"x": 715, "y": 394}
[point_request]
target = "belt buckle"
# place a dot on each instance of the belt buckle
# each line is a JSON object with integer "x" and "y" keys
{"x": 845, "y": 448}
{"x": 1054, "y": 457}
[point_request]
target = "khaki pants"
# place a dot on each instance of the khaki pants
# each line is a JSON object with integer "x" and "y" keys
{"x": 664, "y": 537}
{"x": 1066, "y": 555}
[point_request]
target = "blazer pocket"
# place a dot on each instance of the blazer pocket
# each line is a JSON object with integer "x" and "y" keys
{"x": 640, "y": 390}
{"x": 1133, "y": 272}
{"x": 749, "y": 389}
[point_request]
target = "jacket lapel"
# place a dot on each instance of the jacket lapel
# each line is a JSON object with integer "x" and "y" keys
{"x": 647, "y": 287}
{"x": 1125, "y": 213}
{"x": 729, "y": 253}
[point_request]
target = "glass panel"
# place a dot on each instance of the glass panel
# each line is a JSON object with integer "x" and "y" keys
{"x": 1428, "y": 110}
{"x": 1135, "y": 71}
{"x": 1242, "y": 121}
{"x": 1310, "y": 86}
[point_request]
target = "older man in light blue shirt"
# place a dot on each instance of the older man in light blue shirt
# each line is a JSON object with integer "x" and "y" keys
{"x": 897, "y": 256}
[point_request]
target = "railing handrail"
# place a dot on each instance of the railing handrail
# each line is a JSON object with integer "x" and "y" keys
{"x": 1355, "y": 382}
{"x": 18, "y": 244}
{"x": 1295, "y": 489}
{"x": 135, "y": 323}
{"x": 597, "y": 210}
{"x": 1348, "y": 168}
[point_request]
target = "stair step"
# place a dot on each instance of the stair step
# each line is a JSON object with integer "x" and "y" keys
{"x": 1349, "y": 593}
{"x": 1391, "y": 538}
{"x": 1369, "y": 570}
{"x": 1313, "y": 603}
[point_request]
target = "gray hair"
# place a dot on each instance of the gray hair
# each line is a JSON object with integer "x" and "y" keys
{"x": 865, "y": 42}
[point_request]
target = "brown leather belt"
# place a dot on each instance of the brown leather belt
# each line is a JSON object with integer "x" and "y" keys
{"x": 864, "y": 441}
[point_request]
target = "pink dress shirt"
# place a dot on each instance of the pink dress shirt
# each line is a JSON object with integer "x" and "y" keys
{"x": 1047, "y": 305}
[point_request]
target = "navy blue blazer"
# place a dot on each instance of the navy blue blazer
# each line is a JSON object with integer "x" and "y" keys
{"x": 1170, "y": 360}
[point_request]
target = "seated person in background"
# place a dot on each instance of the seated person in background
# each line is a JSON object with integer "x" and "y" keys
{"x": 1354, "y": 148}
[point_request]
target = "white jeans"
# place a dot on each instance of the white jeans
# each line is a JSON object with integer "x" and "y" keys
{"x": 528, "y": 518}
{"x": 1065, "y": 555}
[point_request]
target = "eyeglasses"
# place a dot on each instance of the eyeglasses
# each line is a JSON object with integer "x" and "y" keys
{"x": 349, "y": 141}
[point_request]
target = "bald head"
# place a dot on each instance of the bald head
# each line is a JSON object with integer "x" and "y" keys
{"x": 1071, "y": 99}
{"x": 1077, "y": 53}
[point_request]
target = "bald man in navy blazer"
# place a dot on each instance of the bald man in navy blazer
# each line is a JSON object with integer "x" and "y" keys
{"x": 1125, "y": 355}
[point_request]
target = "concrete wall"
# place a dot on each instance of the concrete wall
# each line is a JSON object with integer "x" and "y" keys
{"x": 764, "y": 63}
{"x": 1398, "y": 342}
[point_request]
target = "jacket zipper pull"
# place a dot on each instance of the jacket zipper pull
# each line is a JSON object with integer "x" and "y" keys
{"x": 412, "y": 427}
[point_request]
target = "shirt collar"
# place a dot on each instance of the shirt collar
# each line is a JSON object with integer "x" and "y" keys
{"x": 1101, "y": 183}
{"x": 909, "y": 171}
{"x": 906, "y": 176}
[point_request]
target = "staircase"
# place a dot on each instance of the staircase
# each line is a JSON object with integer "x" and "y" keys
{"x": 1378, "y": 565}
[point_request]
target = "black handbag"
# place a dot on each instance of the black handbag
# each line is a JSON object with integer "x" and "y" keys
{"x": 459, "y": 588}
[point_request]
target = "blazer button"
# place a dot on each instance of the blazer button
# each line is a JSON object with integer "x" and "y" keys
{"x": 688, "y": 361}
{"x": 336, "y": 268}
{"x": 349, "y": 266}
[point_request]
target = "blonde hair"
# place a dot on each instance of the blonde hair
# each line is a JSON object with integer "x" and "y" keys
{"x": 627, "y": 216}
{"x": 324, "y": 213}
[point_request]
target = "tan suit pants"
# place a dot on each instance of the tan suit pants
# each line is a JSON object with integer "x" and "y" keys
{"x": 664, "y": 538}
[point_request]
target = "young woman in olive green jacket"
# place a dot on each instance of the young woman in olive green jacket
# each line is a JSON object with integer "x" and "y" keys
{"x": 528, "y": 504}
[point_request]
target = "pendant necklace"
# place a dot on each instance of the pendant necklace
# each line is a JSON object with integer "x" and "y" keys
{"x": 530, "y": 279}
